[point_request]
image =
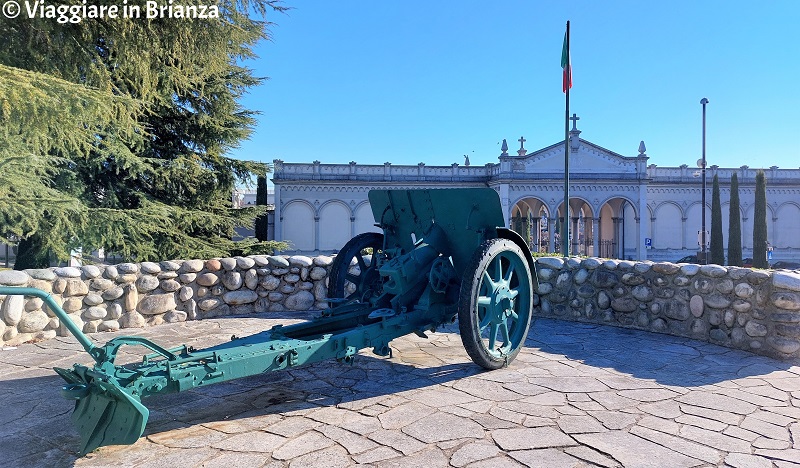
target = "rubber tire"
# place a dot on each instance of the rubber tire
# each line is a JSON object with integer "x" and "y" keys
{"x": 341, "y": 263}
{"x": 468, "y": 312}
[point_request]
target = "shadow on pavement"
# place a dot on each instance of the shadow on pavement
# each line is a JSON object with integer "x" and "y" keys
{"x": 36, "y": 429}
{"x": 666, "y": 359}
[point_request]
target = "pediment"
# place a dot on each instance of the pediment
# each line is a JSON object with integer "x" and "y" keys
{"x": 589, "y": 159}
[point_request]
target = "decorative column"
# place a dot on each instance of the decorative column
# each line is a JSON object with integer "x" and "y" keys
{"x": 537, "y": 233}
{"x": 575, "y": 236}
{"x": 596, "y": 236}
{"x": 641, "y": 252}
{"x": 653, "y": 230}
{"x": 504, "y": 203}
{"x": 316, "y": 232}
{"x": 683, "y": 232}
{"x": 615, "y": 237}
{"x": 551, "y": 233}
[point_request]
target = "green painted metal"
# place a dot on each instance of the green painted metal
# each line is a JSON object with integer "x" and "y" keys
{"x": 429, "y": 236}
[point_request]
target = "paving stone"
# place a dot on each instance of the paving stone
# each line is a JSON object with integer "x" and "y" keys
{"x": 531, "y": 438}
{"x": 611, "y": 401}
{"x": 432, "y": 457}
{"x": 632, "y": 451}
{"x": 745, "y": 460}
{"x": 473, "y": 452}
{"x": 648, "y": 395}
{"x": 377, "y": 455}
{"x": 331, "y": 457}
{"x": 502, "y": 461}
{"x": 709, "y": 424}
{"x": 255, "y": 441}
{"x": 666, "y": 426}
{"x": 404, "y": 415}
{"x": 579, "y": 424}
{"x": 189, "y": 437}
{"x": 691, "y": 449}
{"x": 717, "y": 402}
{"x": 352, "y": 442}
{"x": 546, "y": 458}
{"x": 238, "y": 460}
{"x": 714, "y": 439}
{"x": 546, "y": 399}
{"x": 507, "y": 415}
{"x": 292, "y": 426}
{"x": 773, "y": 417}
{"x": 570, "y": 384}
{"x": 441, "y": 397}
{"x": 721, "y": 416}
{"x": 592, "y": 456}
{"x": 739, "y": 433}
{"x": 443, "y": 426}
{"x": 306, "y": 443}
{"x": 764, "y": 428}
{"x": 757, "y": 400}
{"x": 790, "y": 455}
{"x": 480, "y": 388}
{"x": 767, "y": 443}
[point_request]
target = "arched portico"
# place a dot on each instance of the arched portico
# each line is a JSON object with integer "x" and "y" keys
{"x": 618, "y": 226}
{"x": 582, "y": 227}
{"x": 530, "y": 219}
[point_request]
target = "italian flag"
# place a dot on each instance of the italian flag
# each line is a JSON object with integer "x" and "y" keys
{"x": 566, "y": 65}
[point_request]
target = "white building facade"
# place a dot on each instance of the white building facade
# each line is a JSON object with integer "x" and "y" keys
{"x": 620, "y": 207}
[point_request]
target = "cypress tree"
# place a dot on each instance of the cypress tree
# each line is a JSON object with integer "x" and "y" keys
{"x": 760, "y": 222}
{"x": 262, "y": 221}
{"x": 717, "y": 241}
{"x": 735, "y": 225}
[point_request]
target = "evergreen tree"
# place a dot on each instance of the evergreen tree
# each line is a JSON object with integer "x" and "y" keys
{"x": 735, "y": 225}
{"x": 128, "y": 123}
{"x": 760, "y": 222}
{"x": 262, "y": 221}
{"x": 717, "y": 241}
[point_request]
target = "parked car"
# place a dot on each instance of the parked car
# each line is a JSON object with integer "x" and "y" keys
{"x": 689, "y": 259}
{"x": 747, "y": 262}
{"x": 784, "y": 265}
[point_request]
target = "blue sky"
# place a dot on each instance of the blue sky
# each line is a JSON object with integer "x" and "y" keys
{"x": 430, "y": 81}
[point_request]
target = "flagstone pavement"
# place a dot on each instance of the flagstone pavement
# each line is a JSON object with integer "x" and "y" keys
{"x": 577, "y": 395}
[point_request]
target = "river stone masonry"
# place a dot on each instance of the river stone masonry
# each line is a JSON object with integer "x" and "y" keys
{"x": 743, "y": 308}
{"x": 134, "y": 295}
{"x": 754, "y": 310}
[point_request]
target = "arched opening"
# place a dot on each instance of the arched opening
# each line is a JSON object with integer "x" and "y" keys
{"x": 581, "y": 228}
{"x": 618, "y": 229}
{"x": 530, "y": 219}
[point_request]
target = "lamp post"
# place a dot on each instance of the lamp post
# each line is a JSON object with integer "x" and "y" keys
{"x": 702, "y": 165}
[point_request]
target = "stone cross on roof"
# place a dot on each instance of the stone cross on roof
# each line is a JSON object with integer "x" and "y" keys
{"x": 574, "y": 120}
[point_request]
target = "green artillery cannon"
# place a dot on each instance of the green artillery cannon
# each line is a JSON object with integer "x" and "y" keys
{"x": 443, "y": 254}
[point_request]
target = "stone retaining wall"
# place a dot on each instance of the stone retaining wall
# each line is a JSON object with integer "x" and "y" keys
{"x": 135, "y": 295}
{"x": 754, "y": 310}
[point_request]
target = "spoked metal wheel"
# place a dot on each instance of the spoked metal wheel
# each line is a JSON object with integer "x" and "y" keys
{"x": 361, "y": 280}
{"x": 494, "y": 311}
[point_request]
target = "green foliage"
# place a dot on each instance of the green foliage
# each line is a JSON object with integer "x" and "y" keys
{"x": 114, "y": 133}
{"x": 735, "y": 225}
{"x": 717, "y": 241}
{"x": 760, "y": 222}
{"x": 262, "y": 221}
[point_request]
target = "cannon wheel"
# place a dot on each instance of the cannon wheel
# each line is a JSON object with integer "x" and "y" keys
{"x": 494, "y": 311}
{"x": 367, "y": 279}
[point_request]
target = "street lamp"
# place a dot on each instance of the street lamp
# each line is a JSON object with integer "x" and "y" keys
{"x": 702, "y": 164}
